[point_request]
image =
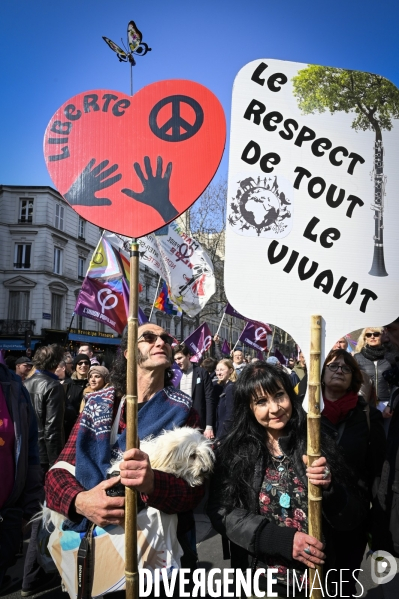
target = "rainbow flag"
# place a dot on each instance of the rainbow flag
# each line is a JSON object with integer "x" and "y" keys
{"x": 163, "y": 302}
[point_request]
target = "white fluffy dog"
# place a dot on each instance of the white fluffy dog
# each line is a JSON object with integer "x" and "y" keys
{"x": 184, "y": 452}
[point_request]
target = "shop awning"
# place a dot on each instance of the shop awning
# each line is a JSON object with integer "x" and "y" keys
{"x": 17, "y": 344}
{"x": 94, "y": 340}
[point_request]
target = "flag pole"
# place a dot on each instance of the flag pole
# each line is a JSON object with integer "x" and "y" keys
{"x": 220, "y": 323}
{"x": 271, "y": 342}
{"x": 131, "y": 566}
{"x": 236, "y": 343}
{"x": 313, "y": 448}
{"x": 155, "y": 298}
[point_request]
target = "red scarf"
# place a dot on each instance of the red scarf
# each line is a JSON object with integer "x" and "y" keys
{"x": 336, "y": 410}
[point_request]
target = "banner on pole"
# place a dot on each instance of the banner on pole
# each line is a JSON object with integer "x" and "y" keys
{"x": 255, "y": 335}
{"x": 230, "y": 310}
{"x": 199, "y": 342}
{"x": 312, "y": 208}
{"x": 225, "y": 348}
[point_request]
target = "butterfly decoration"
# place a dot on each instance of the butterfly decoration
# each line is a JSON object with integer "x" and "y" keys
{"x": 134, "y": 42}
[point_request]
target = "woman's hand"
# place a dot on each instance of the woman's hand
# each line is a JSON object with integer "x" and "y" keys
{"x": 319, "y": 472}
{"x": 308, "y": 550}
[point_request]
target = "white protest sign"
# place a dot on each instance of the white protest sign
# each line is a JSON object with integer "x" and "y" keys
{"x": 313, "y": 207}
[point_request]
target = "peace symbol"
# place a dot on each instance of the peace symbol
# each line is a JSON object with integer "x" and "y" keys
{"x": 176, "y": 123}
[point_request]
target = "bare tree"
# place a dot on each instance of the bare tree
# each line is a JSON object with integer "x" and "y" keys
{"x": 206, "y": 222}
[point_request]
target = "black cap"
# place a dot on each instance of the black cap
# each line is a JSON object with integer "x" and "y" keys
{"x": 24, "y": 360}
{"x": 81, "y": 357}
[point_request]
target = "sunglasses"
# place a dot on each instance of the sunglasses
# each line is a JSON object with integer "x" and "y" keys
{"x": 149, "y": 337}
{"x": 335, "y": 367}
{"x": 83, "y": 364}
{"x": 376, "y": 334}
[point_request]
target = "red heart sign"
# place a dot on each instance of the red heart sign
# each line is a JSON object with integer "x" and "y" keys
{"x": 131, "y": 164}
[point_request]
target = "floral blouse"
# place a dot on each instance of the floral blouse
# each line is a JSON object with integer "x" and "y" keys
{"x": 283, "y": 500}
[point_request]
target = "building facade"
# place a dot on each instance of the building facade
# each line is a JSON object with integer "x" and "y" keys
{"x": 45, "y": 250}
{"x": 44, "y": 255}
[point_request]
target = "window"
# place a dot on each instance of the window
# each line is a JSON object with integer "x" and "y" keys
{"x": 59, "y": 217}
{"x": 159, "y": 322}
{"x": 79, "y": 321}
{"x": 22, "y": 255}
{"x": 147, "y": 290}
{"x": 81, "y": 268}
{"x": 25, "y": 210}
{"x": 57, "y": 261}
{"x": 167, "y": 325}
{"x": 18, "y": 305}
{"x": 82, "y": 226}
{"x": 56, "y": 310}
{"x": 101, "y": 327}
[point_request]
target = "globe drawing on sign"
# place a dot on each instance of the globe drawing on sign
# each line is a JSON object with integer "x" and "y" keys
{"x": 261, "y": 207}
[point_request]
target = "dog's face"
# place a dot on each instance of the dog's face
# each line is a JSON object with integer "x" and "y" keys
{"x": 184, "y": 452}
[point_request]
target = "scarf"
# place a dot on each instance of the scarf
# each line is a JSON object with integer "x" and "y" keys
{"x": 336, "y": 411}
{"x": 167, "y": 409}
{"x": 373, "y": 353}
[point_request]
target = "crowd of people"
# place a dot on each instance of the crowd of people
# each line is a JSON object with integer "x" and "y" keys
{"x": 63, "y": 424}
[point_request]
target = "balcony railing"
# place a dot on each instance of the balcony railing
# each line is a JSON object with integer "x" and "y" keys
{"x": 21, "y": 264}
{"x": 16, "y": 327}
{"x": 25, "y": 219}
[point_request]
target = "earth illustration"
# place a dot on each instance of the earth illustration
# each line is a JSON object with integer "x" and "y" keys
{"x": 260, "y": 208}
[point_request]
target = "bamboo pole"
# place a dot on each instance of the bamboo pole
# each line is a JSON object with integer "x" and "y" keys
{"x": 131, "y": 566}
{"x": 313, "y": 448}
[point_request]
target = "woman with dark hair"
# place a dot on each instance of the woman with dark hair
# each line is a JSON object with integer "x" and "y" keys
{"x": 258, "y": 497}
{"x": 358, "y": 429}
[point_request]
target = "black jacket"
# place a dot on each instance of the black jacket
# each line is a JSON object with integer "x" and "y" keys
{"x": 252, "y": 535}
{"x": 375, "y": 370}
{"x": 224, "y": 407}
{"x": 388, "y": 492}
{"x": 362, "y": 440}
{"x": 202, "y": 395}
{"x": 28, "y": 488}
{"x": 47, "y": 396}
{"x": 73, "y": 389}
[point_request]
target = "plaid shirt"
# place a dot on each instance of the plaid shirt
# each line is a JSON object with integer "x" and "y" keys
{"x": 171, "y": 495}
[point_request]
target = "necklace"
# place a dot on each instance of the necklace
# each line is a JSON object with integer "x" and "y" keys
{"x": 280, "y": 464}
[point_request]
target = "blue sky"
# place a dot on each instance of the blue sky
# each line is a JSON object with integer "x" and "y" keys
{"x": 52, "y": 50}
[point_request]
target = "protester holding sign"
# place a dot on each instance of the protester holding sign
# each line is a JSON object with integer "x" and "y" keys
{"x": 357, "y": 429}
{"x": 258, "y": 496}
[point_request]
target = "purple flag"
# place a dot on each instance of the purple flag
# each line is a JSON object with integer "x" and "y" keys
{"x": 199, "y": 341}
{"x": 225, "y": 348}
{"x": 177, "y": 374}
{"x": 105, "y": 301}
{"x": 280, "y": 357}
{"x": 230, "y": 310}
{"x": 2, "y": 359}
{"x": 255, "y": 335}
{"x": 142, "y": 317}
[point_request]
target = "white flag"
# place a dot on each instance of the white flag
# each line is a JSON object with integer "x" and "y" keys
{"x": 181, "y": 261}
